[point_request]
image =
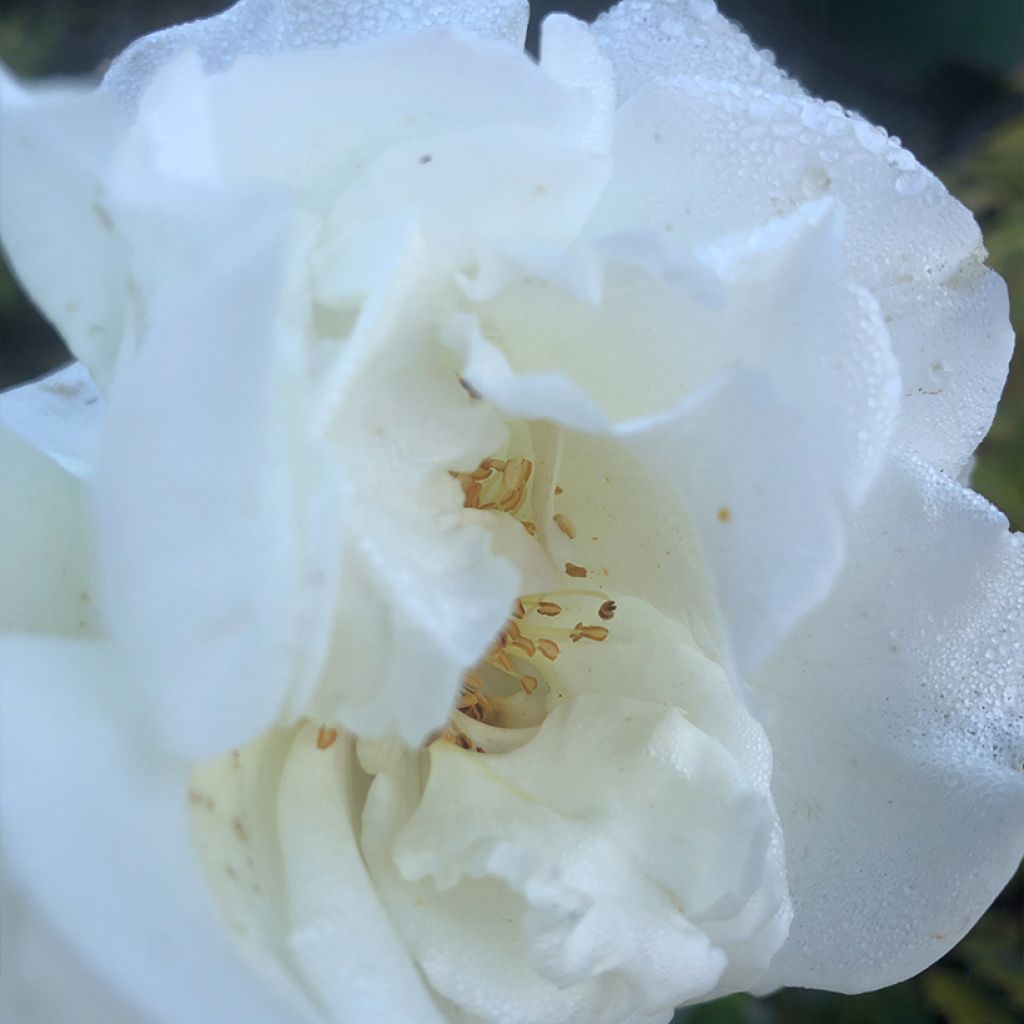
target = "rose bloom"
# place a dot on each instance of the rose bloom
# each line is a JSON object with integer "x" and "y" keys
{"x": 503, "y": 554}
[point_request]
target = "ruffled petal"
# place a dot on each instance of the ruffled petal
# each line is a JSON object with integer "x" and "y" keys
{"x": 750, "y": 155}
{"x": 896, "y": 712}
{"x": 421, "y": 594}
{"x": 275, "y": 26}
{"x": 586, "y": 918}
{"x": 98, "y": 838}
{"x": 759, "y": 389}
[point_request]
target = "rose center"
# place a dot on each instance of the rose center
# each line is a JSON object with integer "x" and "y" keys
{"x": 511, "y": 686}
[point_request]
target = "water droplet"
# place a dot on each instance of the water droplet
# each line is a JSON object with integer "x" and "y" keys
{"x": 815, "y": 182}
{"x": 911, "y": 184}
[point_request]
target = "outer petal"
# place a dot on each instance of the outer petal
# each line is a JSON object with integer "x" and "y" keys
{"x": 55, "y": 147}
{"x": 42, "y": 977}
{"x": 652, "y": 40}
{"x": 48, "y": 433}
{"x": 570, "y": 55}
{"x": 897, "y": 716}
{"x": 209, "y": 503}
{"x": 272, "y": 26}
{"x": 60, "y": 415}
{"x": 699, "y": 159}
{"x": 317, "y": 119}
{"x": 96, "y": 833}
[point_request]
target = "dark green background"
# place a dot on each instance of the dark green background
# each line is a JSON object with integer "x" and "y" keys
{"x": 945, "y": 75}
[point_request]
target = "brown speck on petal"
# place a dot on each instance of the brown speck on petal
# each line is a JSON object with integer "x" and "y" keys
{"x": 197, "y": 799}
{"x": 558, "y": 490}
{"x": 575, "y": 570}
{"x": 565, "y": 525}
{"x": 325, "y": 738}
{"x": 469, "y": 389}
{"x": 607, "y": 610}
{"x": 549, "y": 608}
{"x": 724, "y": 514}
{"x": 529, "y": 683}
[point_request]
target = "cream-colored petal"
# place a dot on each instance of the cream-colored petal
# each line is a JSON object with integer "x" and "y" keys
{"x": 339, "y": 933}
{"x": 610, "y": 906}
{"x": 96, "y": 835}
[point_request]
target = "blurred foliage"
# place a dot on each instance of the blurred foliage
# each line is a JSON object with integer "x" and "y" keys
{"x": 941, "y": 73}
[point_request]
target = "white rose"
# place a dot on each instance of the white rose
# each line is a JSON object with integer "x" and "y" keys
{"x": 642, "y": 361}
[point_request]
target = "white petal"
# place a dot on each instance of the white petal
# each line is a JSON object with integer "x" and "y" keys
{"x": 98, "y": 837}
{"x": 49, "y": 433}
{"x": 466, "y": 191}
{"x": 722, "y": 400}
{"x": 761, "y": 492}
{"x": 273, "y": 26}
{"x": 954, "y": 343}
{"x": 42, "y": 977}
{"x": 751, "y": 156}
{"x": 61, "y": 415}
{"x": 56, "y": 144}
{"x": 318, "y": 119}
{"x": 896, "y": 712}
{"x": 648, "y": 657}
{"x": 613, "y": 903}
{"x": 651, "y": 40}
{"x": 569, "y": 54}
{"x": 46, "y": 571}
{"x": 422, "y": 596}
{"x": 210, "y": 503}
{"x": 233, "y": 802}
{"x": 341, "y": 937}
